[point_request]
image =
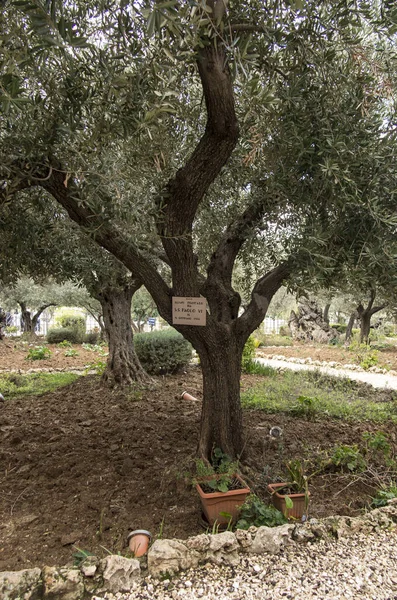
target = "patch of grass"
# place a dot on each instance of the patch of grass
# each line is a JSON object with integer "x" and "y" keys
{"x": 33, "y": 384}
{"x": 312, "y": 395}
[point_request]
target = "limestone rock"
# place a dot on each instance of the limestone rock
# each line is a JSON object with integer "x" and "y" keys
{"x": 21, "y": 585}
{"x": 199, "y": 542}
{"x": 119, "y": 573}
{"x": 243, "y": 537}
{"x": 63, "y": 583}
{"x": 89, "y": 567}
{"x": 170, "y": 556}
{"x": 303, "y": 533}
{"x": 271, "y": 539}
{"x": 223, "y": 549}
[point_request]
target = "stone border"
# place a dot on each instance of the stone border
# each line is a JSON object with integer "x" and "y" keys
{"x": 166, "y": 558}
{"x": 323, "y": 363}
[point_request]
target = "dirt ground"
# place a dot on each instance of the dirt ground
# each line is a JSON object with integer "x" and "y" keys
{"x": 13, "y": 355}
{"x": 387, "y": 357}
{"x": 83, "y": 466}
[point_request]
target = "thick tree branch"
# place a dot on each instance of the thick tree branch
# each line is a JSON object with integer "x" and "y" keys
{"x": 183, "y": 194}
{"x": 107, "y": 236}
{"x": 263, "y": 292}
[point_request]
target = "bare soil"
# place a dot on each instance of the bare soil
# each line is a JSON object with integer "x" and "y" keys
{"x": 14, "y": 355}
{"x": 83, "y": 466}
{"x": 387, "y": 357}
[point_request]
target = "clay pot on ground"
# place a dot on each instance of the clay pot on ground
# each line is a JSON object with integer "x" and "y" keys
{"x": 138, "y": 542}
{"x": 222, "y": 507}
{"x": 300, "y": 501}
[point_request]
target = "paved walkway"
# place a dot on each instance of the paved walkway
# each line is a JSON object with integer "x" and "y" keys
{"x": 377, "y": 380}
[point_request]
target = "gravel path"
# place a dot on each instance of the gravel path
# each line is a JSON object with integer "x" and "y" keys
{"x": 361, "y": 566}
{"x": 375, "y": 379}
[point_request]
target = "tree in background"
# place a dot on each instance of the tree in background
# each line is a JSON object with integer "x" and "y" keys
{"x": 143, "y": 307}
{"x": 32, "y": 299}
{"x": 58, "y": 247}
{"x": 104, "y": 108}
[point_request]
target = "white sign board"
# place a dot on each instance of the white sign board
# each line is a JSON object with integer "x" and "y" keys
{"x": 189, "y": 310}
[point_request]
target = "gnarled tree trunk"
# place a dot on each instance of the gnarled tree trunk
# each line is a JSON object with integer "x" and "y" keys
{"x": 308, "y": 324}
{"x": 29, "y": 323}
{"x": 123, "y": 366}
{"x": 365, "y": 315}
{"x": 221, "y": 415}
{"x": 349, "y": 328}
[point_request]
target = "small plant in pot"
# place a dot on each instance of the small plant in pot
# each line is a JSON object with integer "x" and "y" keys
{"x": 292, "y": 497}
{"x": 221, "y": 489}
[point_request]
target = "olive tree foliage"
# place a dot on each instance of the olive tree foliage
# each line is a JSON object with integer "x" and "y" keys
{"x": 211, "y": 134}
{"x": 32, "y": 299}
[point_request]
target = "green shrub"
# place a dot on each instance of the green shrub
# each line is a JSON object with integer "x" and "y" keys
{"x": 340, "y": 327}
{"x": 11, "y": 329}
{"x": 71, "y": 352}
{"x": 38, "y": 353}
{"x": 74, "y": 321}
{"x": 255, "y": 512}
{"x": 306, "y": 406}
{"x": 61, "y": 334}
{"x": 348, "y": 457}
{"x": 64, "y": 344}
{"x": 388, "y": 330}
{"x": 162, "y": 351}
{"x": 385, "y": 494}
{"x": 248, "y": 355}
{"x": 285, "y": 331}
{"x": 91, "y": 338}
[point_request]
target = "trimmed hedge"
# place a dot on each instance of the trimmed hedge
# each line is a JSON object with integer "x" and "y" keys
{"x": 61, "y": 334}
{"x": 75, "y": 321}
{"x": 162, "y": 351}
{"x": 91, "y": 338}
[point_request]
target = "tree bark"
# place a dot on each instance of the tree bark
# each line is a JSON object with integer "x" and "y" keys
{"x": 326, "y": 313}
{"x": 221, "y": 416}
{"x": 123, "y": 366}
{"x": 309, "y": 325}
{"x": 29, "y": 322}
{"x": 365, "y": 316}
{"x": 26, "y": 316}
{"x": 349, "y": 328}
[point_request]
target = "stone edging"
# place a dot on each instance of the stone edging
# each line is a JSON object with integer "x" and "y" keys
{"x": 324, "y": 363}
{"x": 116, "y": 574}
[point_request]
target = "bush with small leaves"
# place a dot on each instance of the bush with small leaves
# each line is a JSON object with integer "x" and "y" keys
{"x": 91, "y": 338}
{"x": 162, "y": 351}
{"x": 61, "y": 334}
{"x": 64, "y": 344}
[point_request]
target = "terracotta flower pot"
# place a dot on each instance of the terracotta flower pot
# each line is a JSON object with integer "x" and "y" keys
{"x": 187, "y": 396}
{"x": 138, "y": 541}
{"x": 214, "y": 503}
{"x": 300, "y": 501}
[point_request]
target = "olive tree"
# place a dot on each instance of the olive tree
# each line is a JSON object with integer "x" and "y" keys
{"x": 57, "y": 247}
{"x": 204, "y": 133}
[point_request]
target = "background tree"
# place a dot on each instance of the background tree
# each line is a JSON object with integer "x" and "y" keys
{"x": 143, "y": 307}
{"x": 58, "y": 247}
{"x": 30, "y": 297}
